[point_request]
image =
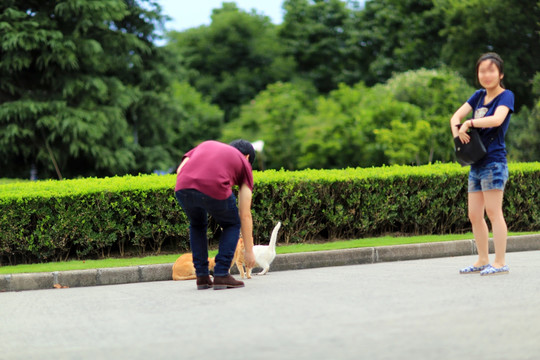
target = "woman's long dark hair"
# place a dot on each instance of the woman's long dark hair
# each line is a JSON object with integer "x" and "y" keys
{"x": 495, "y": 59}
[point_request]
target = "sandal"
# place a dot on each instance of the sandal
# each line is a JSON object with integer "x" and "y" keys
{"x": 495, "y": 271}
{"x": 474, "y": 269}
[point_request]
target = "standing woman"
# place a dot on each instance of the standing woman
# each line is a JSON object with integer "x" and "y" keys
{"x": 492, "y": 106}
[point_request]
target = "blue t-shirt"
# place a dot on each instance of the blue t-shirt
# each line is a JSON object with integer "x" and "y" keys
{"x": 493, "y": 138}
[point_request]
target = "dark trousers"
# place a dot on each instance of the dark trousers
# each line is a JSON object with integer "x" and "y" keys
{"x": 197, "y": 207}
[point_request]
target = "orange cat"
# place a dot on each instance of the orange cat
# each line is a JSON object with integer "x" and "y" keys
{"x": 183, "y": 268}
{"x": 238, "y": 258}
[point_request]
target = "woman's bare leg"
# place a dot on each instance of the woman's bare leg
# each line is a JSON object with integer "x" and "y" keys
{"x": 479, "y": 226}
{"x": 493, "y": 200}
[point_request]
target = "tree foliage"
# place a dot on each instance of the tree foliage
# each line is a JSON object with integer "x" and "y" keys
{"x": 58, "y": 101}
{"x": 395, "y": 48}
{"x": 272, "y": 116}
{"x": 397, "y": 36}
{"x": 438, "y": 93}
{"x": 405, "y": 121}
{"x": 86, "y": 91}
{"x": 200, "y": 120}
{"x": 524, "y": 133}
{"x": 334, "y": 135}
{"x": 509, "y": 27}
{"x": 317, "y": 34}
{"x": 233, "y": 58}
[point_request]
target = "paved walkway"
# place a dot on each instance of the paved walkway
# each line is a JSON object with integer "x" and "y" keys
{"x": 418, "y": 309}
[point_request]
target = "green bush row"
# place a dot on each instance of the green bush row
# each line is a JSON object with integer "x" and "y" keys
{"x": 89, "y": 218}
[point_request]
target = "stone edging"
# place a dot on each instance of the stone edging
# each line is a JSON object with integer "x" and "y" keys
{"x": 163, "y": 272}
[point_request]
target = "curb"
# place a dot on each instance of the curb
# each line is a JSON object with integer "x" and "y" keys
{"x": 282, "y": 262}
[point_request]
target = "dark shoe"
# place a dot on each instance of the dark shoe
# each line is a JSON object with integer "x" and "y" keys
{"x": 226, "y": 282}
{"x": 204, "y": 282}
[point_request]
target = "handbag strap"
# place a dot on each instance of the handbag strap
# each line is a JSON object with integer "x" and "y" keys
{"x": 478, "y": 102}
{"x": 499, "y": 127}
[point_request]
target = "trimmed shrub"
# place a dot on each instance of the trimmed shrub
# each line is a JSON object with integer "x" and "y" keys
{"x": 121, "y": 216}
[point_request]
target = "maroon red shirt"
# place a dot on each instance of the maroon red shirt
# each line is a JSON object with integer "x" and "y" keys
{"x": 214, "y": 168}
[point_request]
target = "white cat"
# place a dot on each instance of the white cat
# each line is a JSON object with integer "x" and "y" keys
{"x": 264, "y": 255}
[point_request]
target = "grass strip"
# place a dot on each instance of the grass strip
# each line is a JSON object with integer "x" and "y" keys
{"x": 283, "y": 249}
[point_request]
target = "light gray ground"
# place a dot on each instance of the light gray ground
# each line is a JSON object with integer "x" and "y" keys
{"x": 420, "y": 309}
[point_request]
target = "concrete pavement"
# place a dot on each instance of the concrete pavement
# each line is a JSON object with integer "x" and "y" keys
{"x": 417, "y": 309}
{"x": 371, "y": 255}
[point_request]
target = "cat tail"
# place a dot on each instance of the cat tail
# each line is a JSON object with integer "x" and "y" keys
{"x": 273, "y": 238}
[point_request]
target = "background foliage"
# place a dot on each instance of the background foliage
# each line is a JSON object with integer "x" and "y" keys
{"x": 86, "y": 91}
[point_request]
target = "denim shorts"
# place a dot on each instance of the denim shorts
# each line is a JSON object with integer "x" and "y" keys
{"x": 492, "y": 176}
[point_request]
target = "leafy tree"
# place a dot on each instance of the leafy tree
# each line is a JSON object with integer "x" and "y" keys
{"x": 200, "y": 120}
{"x": 509, "y": 27}
{"x": 438, "y": 93}
{"x": 523, "y": 137}
{"x": 336, "y": 135}
{"x": 272, "y": 116}
{"x": 389, "y": 118}
{"x": 318, "y": 35}
{"x": 233, "y": 58}
{"x": 153, "y": 111}
{"x": 355, "y": 126}
{"x": 397, "y": 36}
{"x": 403, "y": 142}
{"x": 404, "y": 121}
{"x": 79, "y": 79}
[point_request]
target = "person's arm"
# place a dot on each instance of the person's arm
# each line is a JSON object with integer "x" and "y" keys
{"x": 244, "y": 209}
{"x": 182, "y": 165}
{"x": 459, "y": 115}
{"x": 489, "y": 121}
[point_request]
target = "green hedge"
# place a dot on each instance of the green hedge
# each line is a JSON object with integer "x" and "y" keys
{"x": 89, "y": 218}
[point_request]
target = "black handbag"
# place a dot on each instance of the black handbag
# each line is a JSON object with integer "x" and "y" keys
{"x": 473, "y": 151}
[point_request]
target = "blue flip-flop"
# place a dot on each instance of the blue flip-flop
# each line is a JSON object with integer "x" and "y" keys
{"x": 473, "y": 269}
{"x": 495, "y": 271}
